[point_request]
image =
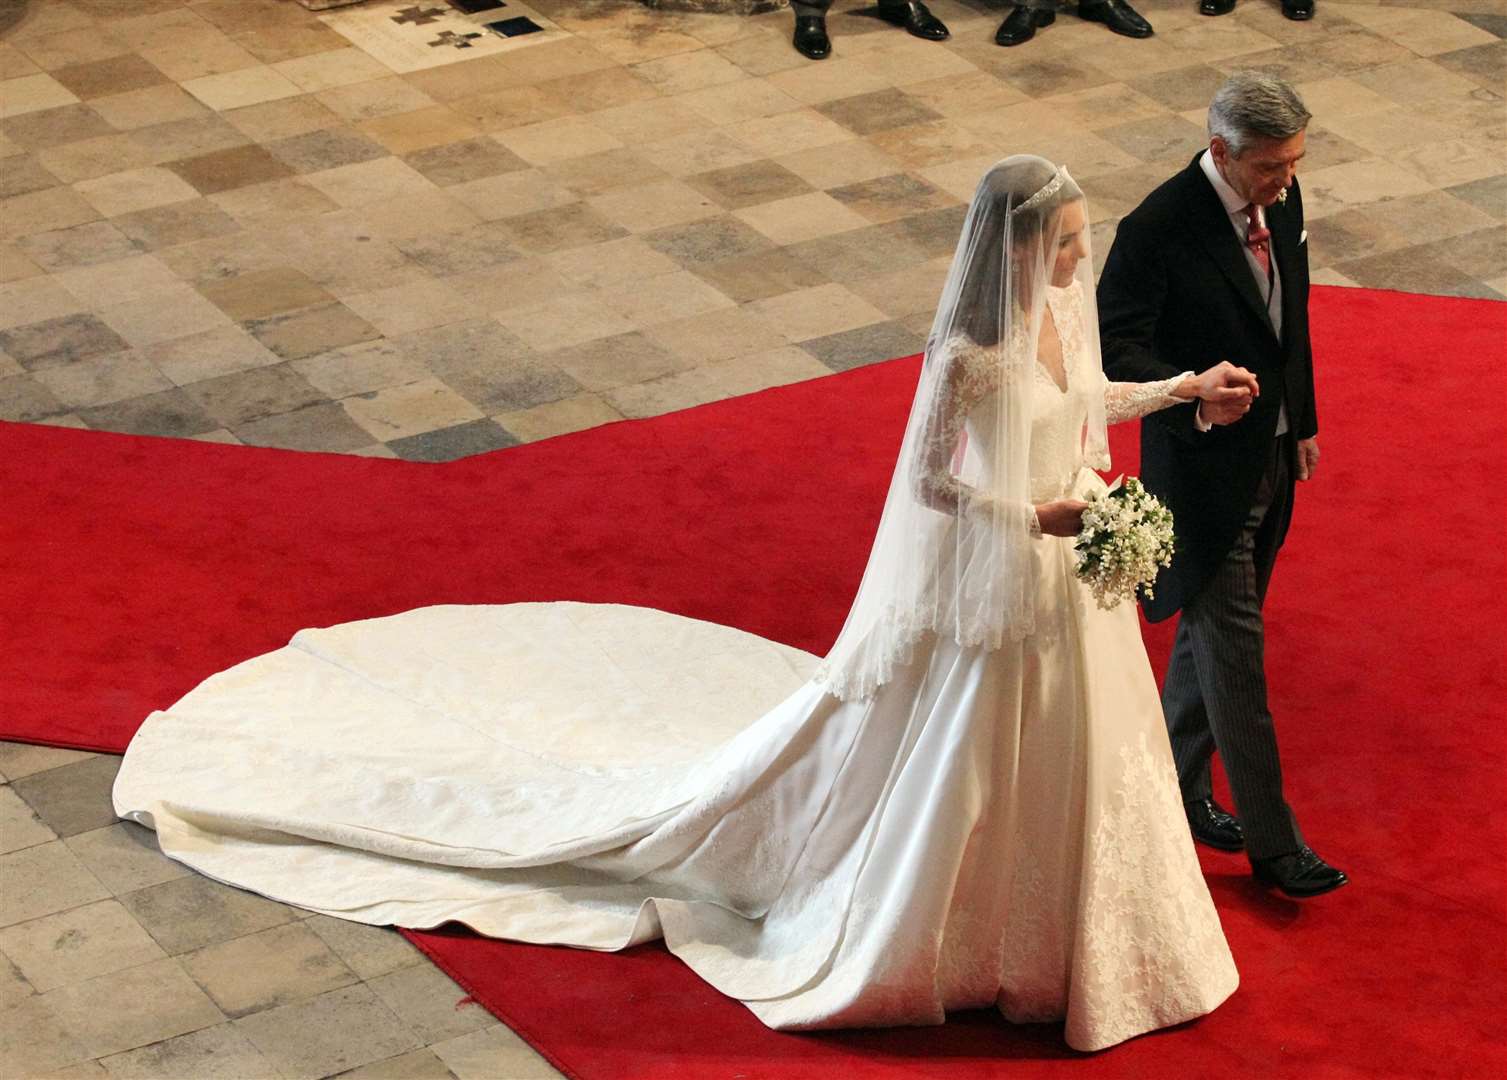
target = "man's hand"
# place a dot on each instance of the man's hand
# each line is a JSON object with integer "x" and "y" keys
{"x": 1308, "y": 458}
{"x": 1224, "y": 392}
{"x": 1062, "y": 517}
{"x": 1226, "y": 411}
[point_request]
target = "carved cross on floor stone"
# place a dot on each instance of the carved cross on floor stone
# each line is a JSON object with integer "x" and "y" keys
{"x": 418, "y": 16}
{"x": 450, "y": 37}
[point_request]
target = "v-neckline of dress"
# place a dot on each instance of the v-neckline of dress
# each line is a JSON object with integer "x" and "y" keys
{"x": 1065, "y": 387}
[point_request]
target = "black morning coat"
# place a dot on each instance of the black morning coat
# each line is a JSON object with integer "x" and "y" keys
{"x": 1177, "y": 294}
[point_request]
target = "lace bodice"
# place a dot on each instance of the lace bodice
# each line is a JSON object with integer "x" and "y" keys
{"x": 1058, "y": 415}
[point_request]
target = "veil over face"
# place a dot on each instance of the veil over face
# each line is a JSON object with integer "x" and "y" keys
{"x": 953, "y": 554}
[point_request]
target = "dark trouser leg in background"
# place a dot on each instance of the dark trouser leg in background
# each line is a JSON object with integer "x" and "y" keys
{"x": 1215, "y": 693}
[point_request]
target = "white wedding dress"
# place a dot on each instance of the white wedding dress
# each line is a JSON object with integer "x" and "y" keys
{"x": 988, "y": 828}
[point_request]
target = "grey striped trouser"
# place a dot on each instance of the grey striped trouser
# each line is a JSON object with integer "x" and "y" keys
{"x": 1215, "y": 693}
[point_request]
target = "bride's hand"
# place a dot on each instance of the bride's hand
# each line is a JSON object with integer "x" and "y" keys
{"x": 1062, "y": 517}
{"x": 1224, "y": 383}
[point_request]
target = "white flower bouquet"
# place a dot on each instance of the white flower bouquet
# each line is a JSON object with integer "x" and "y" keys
{"x": 1126, "y": 538}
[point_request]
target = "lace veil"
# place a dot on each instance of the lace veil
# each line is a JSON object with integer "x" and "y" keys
{"x": 953, "y": 553}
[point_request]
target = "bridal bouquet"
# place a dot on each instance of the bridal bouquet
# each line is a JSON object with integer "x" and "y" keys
{"x": 1126, "y": 539}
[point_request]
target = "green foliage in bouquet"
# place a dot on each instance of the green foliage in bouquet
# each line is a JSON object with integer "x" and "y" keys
{"x": 1126, "y": 539}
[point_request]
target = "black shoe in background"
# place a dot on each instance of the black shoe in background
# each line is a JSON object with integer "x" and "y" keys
{"x": 1021, "y": 24}
{"x": 914, "y": 16}
{"x": 811, "y": 39}
{"x": 1117, "y": 15}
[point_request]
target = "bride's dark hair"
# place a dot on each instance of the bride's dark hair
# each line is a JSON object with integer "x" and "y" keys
{"x": 1006, "y": 216}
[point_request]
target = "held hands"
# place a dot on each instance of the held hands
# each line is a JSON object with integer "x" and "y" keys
{"x": 1061, "y": 517}
{"x": 1224, "y": 392}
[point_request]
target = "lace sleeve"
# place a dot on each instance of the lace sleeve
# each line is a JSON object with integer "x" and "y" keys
{"x": 1132, "y": 400}
{"x": 971, "y": 373}
{"x": 965, "y": 381}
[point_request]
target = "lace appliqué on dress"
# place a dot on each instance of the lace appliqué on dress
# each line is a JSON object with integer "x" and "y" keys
{"x": 1152, "y": 946}
{"x": 1035, "y": 950}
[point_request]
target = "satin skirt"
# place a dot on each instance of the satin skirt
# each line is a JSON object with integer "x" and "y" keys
{"x": 989, "y": 829}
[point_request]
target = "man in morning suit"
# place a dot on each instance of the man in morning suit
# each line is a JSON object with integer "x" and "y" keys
{"x": 1213, "y": 266}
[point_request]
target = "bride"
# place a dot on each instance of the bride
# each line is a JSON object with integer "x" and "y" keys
{"x": 969, "y": 803}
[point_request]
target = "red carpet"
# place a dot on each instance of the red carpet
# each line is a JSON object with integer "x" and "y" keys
{"x": 133, "y": 568}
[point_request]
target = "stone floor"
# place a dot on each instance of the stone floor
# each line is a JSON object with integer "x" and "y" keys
{"x": 117, "y": 962}
{"x": 221, "y": 219}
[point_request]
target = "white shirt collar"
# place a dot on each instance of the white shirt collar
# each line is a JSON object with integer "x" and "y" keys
{"x": 1233, "y": 202}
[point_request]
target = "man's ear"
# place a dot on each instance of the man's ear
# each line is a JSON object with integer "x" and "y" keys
{"x": 1219, "y": 149}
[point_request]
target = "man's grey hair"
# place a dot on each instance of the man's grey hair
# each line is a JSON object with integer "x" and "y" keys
{"x": 1255, "y": 105}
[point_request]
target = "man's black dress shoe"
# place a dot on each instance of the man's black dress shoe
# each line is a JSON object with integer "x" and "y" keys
{"x": 1117, "y": 15}
{"x": 918, "y": 21}
{"x": 1215, "y": 7}
{"x": 811, "y": 39}
{"x": 1020, "y": 25}
{"x": 1300, "y": 874}
{"x": 1214, "y": 826}
{"x": 1298, "y": 10}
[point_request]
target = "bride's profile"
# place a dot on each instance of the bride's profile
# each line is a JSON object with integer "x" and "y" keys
{"x": 969, "y": 803}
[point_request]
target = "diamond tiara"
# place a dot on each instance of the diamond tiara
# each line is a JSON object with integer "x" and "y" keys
{"x": 1052, "y": 187}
